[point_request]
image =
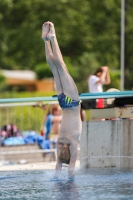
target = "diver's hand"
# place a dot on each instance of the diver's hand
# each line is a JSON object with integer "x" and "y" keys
{"x": 71, "y": 178}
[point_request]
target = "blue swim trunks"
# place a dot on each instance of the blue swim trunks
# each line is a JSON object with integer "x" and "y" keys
{"x": 67, "y": 102}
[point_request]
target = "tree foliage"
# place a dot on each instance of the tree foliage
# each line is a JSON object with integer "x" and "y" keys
{"x": 43, "y": 71}
{"x": 2, "y": 82}
{"x": 88, "y": 34}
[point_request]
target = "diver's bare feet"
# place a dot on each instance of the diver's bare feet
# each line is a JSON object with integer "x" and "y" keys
{"x": 45, "y": 30}
{"x": 51, "y": 33}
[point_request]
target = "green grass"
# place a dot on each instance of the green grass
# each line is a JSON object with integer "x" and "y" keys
{"x": 26, "y": 117}
{"x": 25, "y": 94}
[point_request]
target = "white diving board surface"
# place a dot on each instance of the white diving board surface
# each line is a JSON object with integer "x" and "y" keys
{"x": 82, "y": 96}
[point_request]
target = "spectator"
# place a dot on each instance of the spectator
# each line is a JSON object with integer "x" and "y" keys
{"x": 52, "y": 122}
{"x": 98, "y": 79}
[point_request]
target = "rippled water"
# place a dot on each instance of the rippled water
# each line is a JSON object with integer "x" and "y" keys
{"x": 92, "y": 184}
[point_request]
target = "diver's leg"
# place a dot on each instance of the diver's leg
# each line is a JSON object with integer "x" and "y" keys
{"x": 49, "y": 58}
{"x": 57, "y": 53}
{"x": 69, "y": 87}
{"x": 45, "y": 30}
{"x": 50, "y": 61}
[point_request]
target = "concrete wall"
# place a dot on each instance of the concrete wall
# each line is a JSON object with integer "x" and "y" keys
{"x": 107, "y": 144}
{"x": 30, "y": 153}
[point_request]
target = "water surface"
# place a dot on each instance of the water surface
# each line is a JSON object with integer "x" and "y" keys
{"x": 92, "y": 184}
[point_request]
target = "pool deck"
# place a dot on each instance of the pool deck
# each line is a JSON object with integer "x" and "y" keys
{"x": 31, "y": 166}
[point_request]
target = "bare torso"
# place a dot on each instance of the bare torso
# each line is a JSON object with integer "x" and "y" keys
{"x": 70, "y": 126}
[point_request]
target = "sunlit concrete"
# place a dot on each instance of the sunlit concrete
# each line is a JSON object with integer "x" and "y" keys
{"x": 107, "y": 144}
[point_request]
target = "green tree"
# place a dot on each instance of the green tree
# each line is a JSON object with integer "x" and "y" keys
{"x": 2, "y": 82}
{"x": 115, "y": 80}
{"x": 92, "y": 28}
{"x": 43, "y": 71}
{"x": 128, "y": 44}
{"x": 86, "y": 65}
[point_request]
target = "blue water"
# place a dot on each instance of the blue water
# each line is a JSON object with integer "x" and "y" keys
{"x": 89, "y": 184}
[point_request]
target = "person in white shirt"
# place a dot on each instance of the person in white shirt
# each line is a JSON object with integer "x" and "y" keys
{"x": 98, "y": 79}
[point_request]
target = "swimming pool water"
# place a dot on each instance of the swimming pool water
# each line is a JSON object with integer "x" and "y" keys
{"x": 91, "y": 184}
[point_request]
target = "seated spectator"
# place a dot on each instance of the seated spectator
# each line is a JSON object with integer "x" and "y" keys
{"x": 9, "y": 130}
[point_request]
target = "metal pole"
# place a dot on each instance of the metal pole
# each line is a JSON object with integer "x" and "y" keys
{"x": 122, "y": 42}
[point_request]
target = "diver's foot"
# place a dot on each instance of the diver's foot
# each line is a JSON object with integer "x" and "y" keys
{"x": 51, "y": 33}
{"x": 45, "y": 30}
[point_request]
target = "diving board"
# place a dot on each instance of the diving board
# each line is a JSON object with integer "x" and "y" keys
{"x": 117, "y": 109}
{"x": 82, "y": 96}
{"x": 106, "y": 95}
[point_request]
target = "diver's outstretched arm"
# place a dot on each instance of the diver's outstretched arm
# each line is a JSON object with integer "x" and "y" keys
{"x": 58, "y": 162}
{"x": 73, "y": 152}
